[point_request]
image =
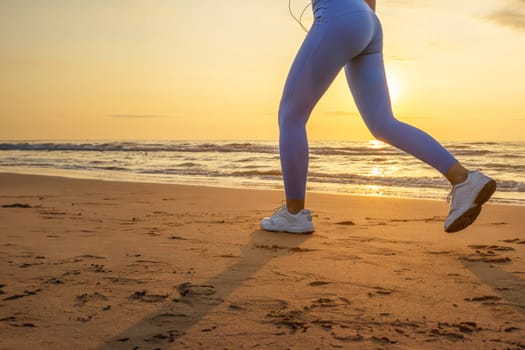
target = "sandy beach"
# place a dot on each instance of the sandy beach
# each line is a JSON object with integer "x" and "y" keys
{"x": 89, "y": 264}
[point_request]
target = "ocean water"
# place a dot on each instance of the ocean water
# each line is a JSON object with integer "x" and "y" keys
{"x": 356, "y": 168}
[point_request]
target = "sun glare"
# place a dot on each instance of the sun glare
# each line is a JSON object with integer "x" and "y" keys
{"x": 393, "y": 88}
{"x": 375, "y": 144}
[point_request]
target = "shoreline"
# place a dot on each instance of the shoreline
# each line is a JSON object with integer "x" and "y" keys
{"x": 187, "y": 267}
{"x": 337, "y": 167}
{"x": 254, "y": 188}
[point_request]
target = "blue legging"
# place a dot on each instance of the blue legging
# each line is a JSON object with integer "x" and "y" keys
{"x": 345, "y": 33}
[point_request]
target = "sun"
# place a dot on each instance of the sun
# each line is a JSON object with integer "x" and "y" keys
{"x": 393, "y": 87}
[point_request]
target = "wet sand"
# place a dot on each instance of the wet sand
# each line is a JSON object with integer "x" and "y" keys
{"x": 88, "y": 264}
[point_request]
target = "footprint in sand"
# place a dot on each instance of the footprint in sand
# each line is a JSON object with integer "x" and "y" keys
{"x": 98, "y": 268}
{"x": 319, "y": 283}
{"x": 89, "y": 256}
{"x": 383, "y": 340}
{"x": 164, "y": 332}
{"x": 299, "y": 320}
{"x": 166, "y": 318}
{"x": 124, "y": 280}
{"x": 514, "y": 240}
{"x": 26, "y": 265}
{"x": 170, "y": 336}
{"x": 511, "y": 329}
{"x": 177, "y": 238}
{"x": 273, "y": 247}
{"x": 16, "y": 205}
{"x": 82, "y": 299}
{"x": 146, "y": 297}
{"x": 258, "y": 303}
{"x": 491, "y": 247}
{"x": 188, "y": 289}
{"x": 294, "y": 320}
{"x": 13, "y": 321}
{"x": 456, "y": 331}
{"x": 328, "y": 302}
{"x": 302, "y": 250}
{"x": 488, "y": 254}
{"x": 54, "y": 280}
{"x": 52, "y": 214}
{"x": 380, "y": 291}
{"x": 25, "y": 294}
{"x": 346, "y": 223}
{"x": 484, "y": 298}
{"x": 346, "y": 335}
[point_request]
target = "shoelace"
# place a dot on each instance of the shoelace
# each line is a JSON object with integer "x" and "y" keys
{"x": 450, "y": 196}
{"x": 279, "y": 209}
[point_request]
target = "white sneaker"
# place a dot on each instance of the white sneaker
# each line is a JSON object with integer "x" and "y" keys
{"x": 284, "y": 221}
{"x": 467, "y": 198}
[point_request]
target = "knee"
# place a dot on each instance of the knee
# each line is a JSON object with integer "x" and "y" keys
{"x": 383, "y": 131}
{"x": 380, "y": 133}
{"x": 290, "y": 117}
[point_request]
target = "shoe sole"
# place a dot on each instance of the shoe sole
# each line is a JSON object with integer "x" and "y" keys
{"x": 486, "y": 192}
{"x": 468, "y": 217}
{"x": 299, "y": 232}
{"x": 291, "y": 230}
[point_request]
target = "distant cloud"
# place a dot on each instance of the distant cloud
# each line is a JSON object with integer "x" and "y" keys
{"x": 511, "y": 15}
{"x": 137, "y": 116}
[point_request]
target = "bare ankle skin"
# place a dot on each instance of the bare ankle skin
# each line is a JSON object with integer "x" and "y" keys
{"x": 295, "y": 205}
{"x": 456, "y": 174}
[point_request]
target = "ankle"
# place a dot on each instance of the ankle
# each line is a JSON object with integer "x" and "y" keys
{"x": 456, "y": 174}
{"x": 294, "y": 206}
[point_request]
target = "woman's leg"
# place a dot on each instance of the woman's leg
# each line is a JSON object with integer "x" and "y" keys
{"x": 367, "y": 80}
{"x": 325, "y": 51}
{"x": 308, "y": 79}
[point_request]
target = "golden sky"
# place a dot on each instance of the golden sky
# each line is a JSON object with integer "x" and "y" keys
{"x": 207, "y": 69}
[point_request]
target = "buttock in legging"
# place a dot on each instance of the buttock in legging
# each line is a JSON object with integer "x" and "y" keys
{"x": 345, "y": 33}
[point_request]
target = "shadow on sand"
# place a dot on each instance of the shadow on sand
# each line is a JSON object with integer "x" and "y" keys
{"x": 172, "y": 319}
{"x": 509, "y": 287}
